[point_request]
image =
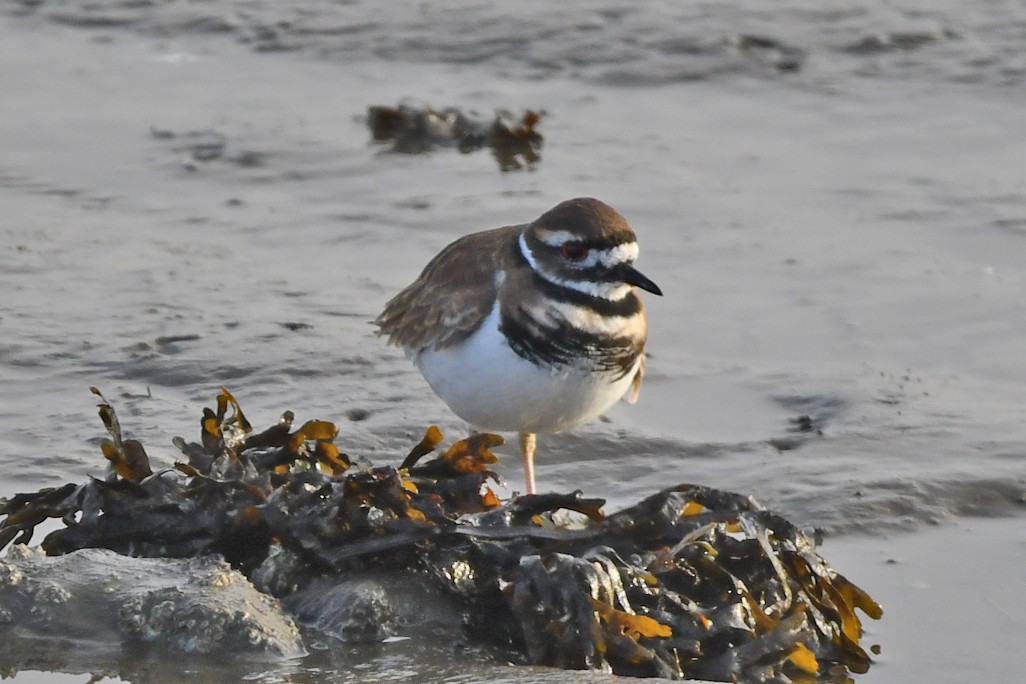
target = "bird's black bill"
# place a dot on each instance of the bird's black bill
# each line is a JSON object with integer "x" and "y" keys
{"x": 633, "y": 276}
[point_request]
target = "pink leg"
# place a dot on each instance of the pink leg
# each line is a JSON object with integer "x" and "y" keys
{"x": 528, "y": 440}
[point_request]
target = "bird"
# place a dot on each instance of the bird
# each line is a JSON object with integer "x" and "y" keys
{"x": 530, "y": 328}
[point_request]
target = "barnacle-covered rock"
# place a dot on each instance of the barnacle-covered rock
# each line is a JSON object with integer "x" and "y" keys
{"x": 195, "y": 606}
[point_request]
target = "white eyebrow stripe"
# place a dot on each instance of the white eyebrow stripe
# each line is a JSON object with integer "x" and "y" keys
{"x": 556, "y": 238}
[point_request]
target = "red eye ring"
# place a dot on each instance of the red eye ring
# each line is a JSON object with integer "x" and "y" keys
{"x": 574, "y": 251}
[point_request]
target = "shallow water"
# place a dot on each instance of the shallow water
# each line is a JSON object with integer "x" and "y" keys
{"x": 833, "y": 201}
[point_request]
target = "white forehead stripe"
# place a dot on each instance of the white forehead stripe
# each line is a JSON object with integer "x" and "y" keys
{"x": 613, "y": 256}
{"x": 625, "y": 253}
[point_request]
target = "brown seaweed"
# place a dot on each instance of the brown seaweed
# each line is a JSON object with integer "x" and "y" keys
{"x": 691, "y": 582}
{"x": 127, "y": 456}
{"x": 514, "y": 141}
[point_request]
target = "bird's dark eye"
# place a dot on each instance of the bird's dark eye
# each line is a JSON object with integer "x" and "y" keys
{"x": 575, "y": 251}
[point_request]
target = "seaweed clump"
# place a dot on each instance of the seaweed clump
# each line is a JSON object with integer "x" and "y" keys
{"x": 691, "y": 582}
{"x": 514, "y": 141}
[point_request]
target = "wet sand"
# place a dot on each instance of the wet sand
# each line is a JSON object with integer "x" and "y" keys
{"x": 952, "y": 598}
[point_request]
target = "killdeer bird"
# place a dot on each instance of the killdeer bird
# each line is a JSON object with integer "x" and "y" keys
{"x": 532, "y": 328}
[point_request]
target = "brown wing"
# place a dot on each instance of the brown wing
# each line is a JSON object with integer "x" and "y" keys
{"x": 453, "y": 294}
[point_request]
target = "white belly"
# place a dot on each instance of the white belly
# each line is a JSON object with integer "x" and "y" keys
{"x": 486, "y": 384}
